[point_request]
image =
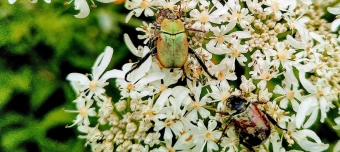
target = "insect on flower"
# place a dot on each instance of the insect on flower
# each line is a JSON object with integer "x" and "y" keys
{"x": 251, "y": 124}
{"x": 171, "y": 43}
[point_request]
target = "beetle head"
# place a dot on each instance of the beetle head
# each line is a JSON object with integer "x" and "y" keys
{"x": 167, "y": 14}
{"x": 237, "y": 104}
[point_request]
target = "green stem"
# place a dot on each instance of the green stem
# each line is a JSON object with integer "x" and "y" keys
{"x": 128, "y": 104}
{"x": 331, "y": 124}
{"x": 333, "y": 3}
{"x": 283, "y": 35}
{"x": 209, "y": 108}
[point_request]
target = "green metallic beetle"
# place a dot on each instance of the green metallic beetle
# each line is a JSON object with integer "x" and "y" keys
{"x": 172, "y": 43}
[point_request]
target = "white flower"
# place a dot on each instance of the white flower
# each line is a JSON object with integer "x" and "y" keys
{"x": 276, "y": 6}
{"x": 220, "y": 93}
{"x": 231, "y": 140}
{"x": 277, "y": 114}
{"x": 151, "y": 111}
{"x": 307, "y": 139}
{"x": 83, "y": 6}
{"x": 336, "y": 22}
{"x": 204, "y": 17}
{"x": 93, "y": 134}
{"x": 98, "y": 82}
{"x": 288, "y": 93}
{"x": 235, "y": 14}
{"x": 317, "y": 99}
{"x": 32, "y": 1}
{"x": 152, "y": 138}
{"x": 149, "y": 31}
{"x": 206, "y": 136}
{"x": 84, "y": 110}
{"x": 264, "y": 71}
{"x": 178, "y": 146}
{"x": 139, "y": 79}
{"x": 105, "y": 105}
{"x": 137, "y": 7}
{"x": 247, "y": 86}
{"x": 282, "y": 55}
{"x": 236, "y": 53}
{"x": 173, "y": 114}
{"x": 196, "y": 106}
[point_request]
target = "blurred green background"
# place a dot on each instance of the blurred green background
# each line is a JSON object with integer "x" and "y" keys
{"x": 39, "y": 45}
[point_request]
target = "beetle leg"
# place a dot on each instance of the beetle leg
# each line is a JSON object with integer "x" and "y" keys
{"x": 271, "y": 119}
{"x": 185, "y": 74}
{"x": 195, "y": 30}
{"x": 153, "y": 51}
{"x": 201, "y": 63}
{"x": 225, "y": 129}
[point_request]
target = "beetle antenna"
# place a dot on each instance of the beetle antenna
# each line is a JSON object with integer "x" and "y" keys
{"x": 201, "y": 63}
{"x": 180, "y": 11}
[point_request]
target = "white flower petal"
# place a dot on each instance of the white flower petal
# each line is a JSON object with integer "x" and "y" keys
{"x": 83, "y": 7}
{"x": 306, "y": 83}
{"x": 335, "y": 25}
{"x": 102, "y": 62}
{"x": 279, "y": 90}
{"x": 312, "y": 118}
{"x": 337, "y": 147}
{"x": 77, "y": 77}
{"x": 294, "y": 43}
{"x": 112, "y": 74}
{"x": 132, "y": 47}
{"x": 334, "y": 10}
{"x": 106, "y": 1}
{"x": 302, "y": 111}
{"x": 12, "y": 1}
{"x": 161, "y": 100}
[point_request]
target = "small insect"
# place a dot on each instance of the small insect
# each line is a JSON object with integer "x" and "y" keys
{"x": 171, "y": 43}
{"x": 251, "y": 124}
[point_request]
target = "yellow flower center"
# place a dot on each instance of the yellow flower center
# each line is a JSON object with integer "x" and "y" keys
{"x": 196, "y": 105}
{"x": 224, "y": 97}
{"x": 149, "y": 114}
{"x": 144, "y": 4}
{"x": 220, "y": 39}
{"x": 204, "y": 17}
{"x": 235, "y": 53}
{"x": 208, "y": 136}
{"x": 130, "y": 86}
{"x": 237, "y": 16}
{"x": 275, "y": 6}
{"x": 171, "y": 149}
{"x": 83, "y": 111}
{"x": 319, "y": 93}
{"x": 266, "y": 76}
{"x": 290, "y": 94}
{"x": 282, "y": 56}
{"x": 93, "y": 85}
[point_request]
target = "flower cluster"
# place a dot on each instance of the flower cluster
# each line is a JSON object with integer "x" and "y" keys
{"x": 172, "y": 109}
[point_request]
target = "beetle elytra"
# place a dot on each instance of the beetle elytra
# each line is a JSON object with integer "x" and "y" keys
{"x": 251, "y": 124}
